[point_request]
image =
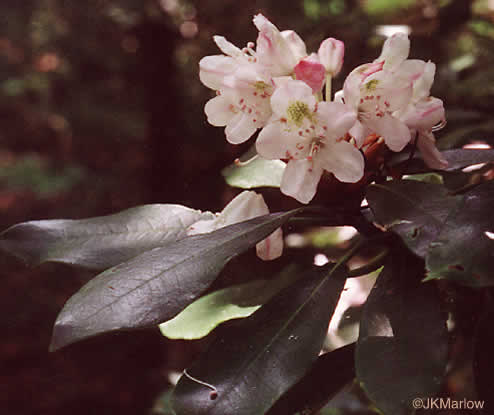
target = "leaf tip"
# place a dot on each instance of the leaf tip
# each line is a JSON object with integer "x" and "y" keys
{"x": 63, "y": 335}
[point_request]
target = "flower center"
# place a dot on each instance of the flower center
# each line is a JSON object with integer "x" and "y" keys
{"x": 371, "y": 85}
{"x": 297, "y": 111}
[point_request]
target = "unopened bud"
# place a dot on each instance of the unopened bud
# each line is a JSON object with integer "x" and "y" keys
{"x": 331, "y": 53}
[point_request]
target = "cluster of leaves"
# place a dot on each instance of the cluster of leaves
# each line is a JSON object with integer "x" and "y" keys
{"x": 267, "y": 359}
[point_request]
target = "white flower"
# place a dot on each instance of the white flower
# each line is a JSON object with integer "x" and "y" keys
{"x": 311, "y": 136}
{"x": 243, "y": 90}
{"x": 247, "y": 205}
{"x": 379, "y": 90}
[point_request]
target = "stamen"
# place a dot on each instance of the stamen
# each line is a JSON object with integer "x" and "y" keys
{"x": 249, "y": 49}
{"x": 213, "y": 395}
{"x": 239, "y": 163}
{"x": 439, "y": 126}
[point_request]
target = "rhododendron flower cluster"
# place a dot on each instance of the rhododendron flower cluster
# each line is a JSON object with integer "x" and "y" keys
{"x": 277, "y": 88}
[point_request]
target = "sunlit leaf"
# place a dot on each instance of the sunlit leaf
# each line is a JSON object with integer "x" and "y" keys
{"x": 203, "y": 315}
{"x": 256, "y": 173}
{"x": 156, "y": 285}
{"x": 100, "y": 242}
{"x": 254, "y": 361}
{"x": 329, "y": 374}
{"x": 402, "y": 348}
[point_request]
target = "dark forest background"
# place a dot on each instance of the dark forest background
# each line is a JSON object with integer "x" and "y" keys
{"x": 101, "y": 109}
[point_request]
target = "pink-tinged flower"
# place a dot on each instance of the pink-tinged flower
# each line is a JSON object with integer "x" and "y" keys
{"x": 278, "y": 51}
{"x": 423, "y": 114}
{"x": 331, "y": 54}
{"x": 247, "y": 205}
{"x": 311, "y": 136}
{"x": 380, "y": 90}
{"x": 243, "y": 90}
{"x": 375, "y": 97}
{"x": 311, "y": 72}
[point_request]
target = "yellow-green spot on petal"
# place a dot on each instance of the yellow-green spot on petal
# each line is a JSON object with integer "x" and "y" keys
{"x": 371, "y": 85}
{"x": 363, "y": 68}
{"x": 261, "y": 86}
{"x": 297, "y": 111}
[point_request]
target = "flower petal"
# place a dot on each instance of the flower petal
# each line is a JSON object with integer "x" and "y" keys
{"x": 290, "y": 92}
{"x": 343, "y": 160}
{"x": 311, "y": 72}
{"x": 248, "y": 205}
{"x": 227, "y": 47}
{"x": 389, "y": 92}
{"x": 336, "y": 117}
{"x": 275, "y": 142}
{"x": 395, "y": 133}
{"x": 213, "y": 69}
{"x": 432, "y": 156}
{"x": 219, "y": 110}
{"x": 295, "y": 43}
{"x": 354, "y": 81}
{"x": 273, "y": 49}
{"x": 395, "y": 50}
{"x": 411, "y": 70}
{"x": 271, "y": 247}
{"x": 240, "y": 128}
{"x": 300, "y": 180}
{"x": 425, "y": 114}
{"x": 359, "y": 132}
{"x": 423, "y": 85}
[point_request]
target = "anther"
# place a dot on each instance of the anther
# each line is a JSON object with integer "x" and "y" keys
{"x": 439, "y": 126}
{"x": 239, "y": 163}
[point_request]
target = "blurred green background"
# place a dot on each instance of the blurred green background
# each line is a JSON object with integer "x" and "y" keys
{"x": 101, "y": 109}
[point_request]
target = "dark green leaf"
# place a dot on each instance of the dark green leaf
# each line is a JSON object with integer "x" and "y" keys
{"x": 457, "y": 159}
{"x": 464, "y": 248}
{"x": 100, "y": 242}
{"x": 254, "y": 361}
{"x": 414, "y": 210}
{"x": 329, "y": 374}
{"x": 402, "y": 348}
{"x": 156, "y": 285}
{"x": 203, "y": 315}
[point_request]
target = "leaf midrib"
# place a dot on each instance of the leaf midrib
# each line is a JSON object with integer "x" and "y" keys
{"x": 287, "y": 323}
{"x": 199, "y": 253}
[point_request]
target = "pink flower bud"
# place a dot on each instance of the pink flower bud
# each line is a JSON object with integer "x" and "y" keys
{"x": 331, "y": 53}
{"x": 311, "y": 72}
